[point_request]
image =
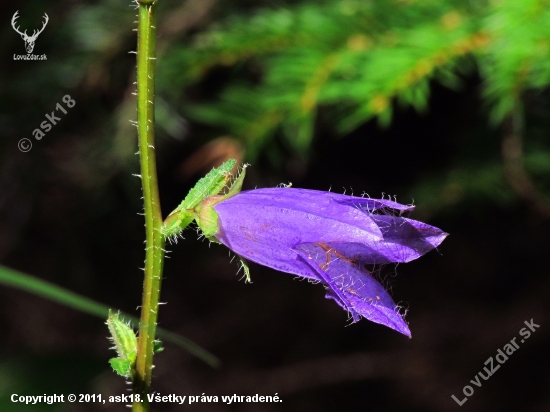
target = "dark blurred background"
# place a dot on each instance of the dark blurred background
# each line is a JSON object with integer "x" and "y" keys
{"x": 441, "y": 103}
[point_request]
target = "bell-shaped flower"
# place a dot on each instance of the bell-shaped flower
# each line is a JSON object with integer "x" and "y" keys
{"x": 327, "y": 237}
{"x": 323, "y": 236}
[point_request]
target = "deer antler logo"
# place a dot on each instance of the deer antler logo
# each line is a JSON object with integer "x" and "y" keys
{"x": 29, "y": 40}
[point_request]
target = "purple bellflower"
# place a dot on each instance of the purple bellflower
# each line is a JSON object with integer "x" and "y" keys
{"x": 323, "y": 236}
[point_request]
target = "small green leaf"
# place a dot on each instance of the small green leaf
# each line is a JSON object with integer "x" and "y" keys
{"x": 125, "y": 340}
{"x": 121, "y": 366}
{"x": 157, "y": 346}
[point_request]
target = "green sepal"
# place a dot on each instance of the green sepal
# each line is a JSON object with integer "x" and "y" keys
{"x": 210, "y": 185}
{"x": 237, "y": 184}
{"x": 244, "y": 266}
{"x": 206, "y": 217}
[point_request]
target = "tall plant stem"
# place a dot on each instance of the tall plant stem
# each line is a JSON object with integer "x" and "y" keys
{"x": 154, "y": 257}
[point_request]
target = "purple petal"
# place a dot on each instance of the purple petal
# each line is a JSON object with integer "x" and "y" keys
{"x": 351, "y": 286}
{"x": 312, "y": 202}
{"x": 264, "y": 225}
{"x": 327, "y": 237}
{"x": 404, "y": 240}
{"x": 369, "y": 205}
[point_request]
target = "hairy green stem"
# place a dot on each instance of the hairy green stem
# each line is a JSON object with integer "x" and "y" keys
{"x": 154, "y": 257}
